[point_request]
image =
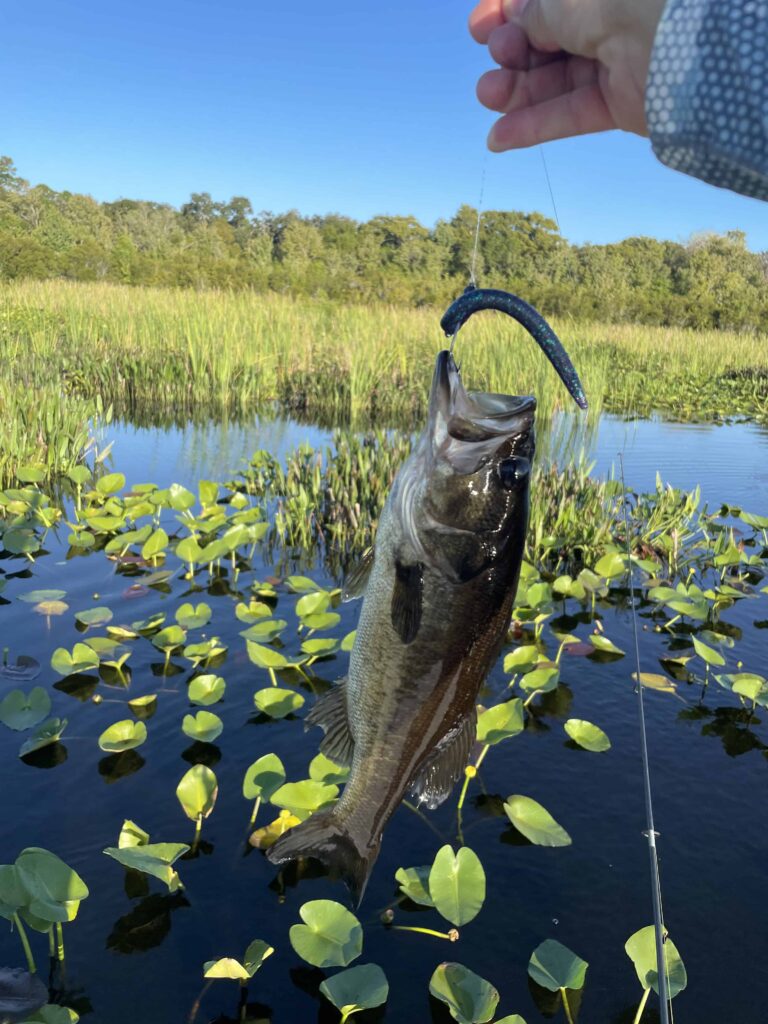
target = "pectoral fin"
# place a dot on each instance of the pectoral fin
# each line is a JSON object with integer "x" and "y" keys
{"x": 406, "y": 600}
{"x": 444, "y": 767}
{"x": 330, "y": 713}
{"x": 356, "y": 579}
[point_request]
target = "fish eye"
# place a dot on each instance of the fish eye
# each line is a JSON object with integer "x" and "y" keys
{"x": 513, "y": 471}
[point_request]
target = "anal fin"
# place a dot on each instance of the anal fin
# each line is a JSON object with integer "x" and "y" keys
{"x": 443, "y": 768}
{"x": 330, "y": 713}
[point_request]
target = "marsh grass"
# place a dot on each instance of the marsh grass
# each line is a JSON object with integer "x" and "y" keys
{"x": 168, "y": 356}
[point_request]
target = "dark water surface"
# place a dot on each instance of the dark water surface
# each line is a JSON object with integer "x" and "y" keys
{"x": 137, "y": 956}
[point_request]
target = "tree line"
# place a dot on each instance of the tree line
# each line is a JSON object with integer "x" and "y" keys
{"x": 712, "y": 281}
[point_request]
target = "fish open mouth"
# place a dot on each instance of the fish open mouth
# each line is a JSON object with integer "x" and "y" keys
{"x": 468, "y": 427}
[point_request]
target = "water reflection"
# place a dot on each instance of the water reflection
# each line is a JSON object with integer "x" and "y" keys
{"x": 119, "y": 766}
{"x": 146, "y": 925}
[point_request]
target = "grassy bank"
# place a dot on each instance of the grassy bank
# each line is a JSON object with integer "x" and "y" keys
{"x": 160, "y": 356}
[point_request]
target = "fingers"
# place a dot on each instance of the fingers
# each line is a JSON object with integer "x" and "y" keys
{"x": 486, "y": 16}
{"x": 508, "y": 45}
{"x": 507, "y": 90}
{"x": 574, "y": 113}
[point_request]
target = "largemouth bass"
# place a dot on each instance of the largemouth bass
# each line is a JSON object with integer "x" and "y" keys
{"x": 438, "y": 588}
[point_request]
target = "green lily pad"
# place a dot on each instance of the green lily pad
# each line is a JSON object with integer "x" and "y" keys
{"x": 603, "y": 644}
{"x": 94, "y": 617}
{"x": 541, "y": 680}
{"x": 587, "y": 735}
{"x": 264, "y": 631}
{"x": 197, "y": 792}
{"x": 469, "y": 998}
{"x": 305, "y": 797}
{"x": 349, "y": 641}
{"x": 331, "y": 936}
{"x": 360, "y": 988}
{"x": 19, "y": 710}
{"x": 154, "y": 859}
{"x": 641, "y": 950}
{"x": 535, "y": 822}
{"x": 302, "y": 584}
{"x": 708, "y": 654}
{"x": 82, "y": 659}
{"x": 191, "y": 616}
{"x": 203, "y": 726}
{"x": 501, "y": 722}
{"x": 46, "y": 734}
{"x": 263, "y": 778}
{"x": 170, "y": 638}
{"x": 36, "y": 596}
{"x": 414, "y": 883}
{"x": 206, "y": 690}
{"x": 457, "y": 884}
{"x": 322, "y": 769}
{"x": 253, "y": 611}
{"x": 266, "y": 657}
{"x": 226, "y": 967}
{"x": 276, "y": 702}
{"x": 312, "y": 604}
{"x": 554, "y": 966}
{"x": 131, "y": 835}
{"x": 55, "y": 890}
{"x": 124, "y": 735}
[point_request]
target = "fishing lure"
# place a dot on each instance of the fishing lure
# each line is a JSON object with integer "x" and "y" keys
{"x": 474, "y": 300}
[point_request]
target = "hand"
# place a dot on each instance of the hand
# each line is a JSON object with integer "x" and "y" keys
{"x": 567, "y": 67}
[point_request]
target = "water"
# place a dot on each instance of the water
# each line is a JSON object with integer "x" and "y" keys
{"x": 729, "y": 463}
{"x": 136, "y": 954}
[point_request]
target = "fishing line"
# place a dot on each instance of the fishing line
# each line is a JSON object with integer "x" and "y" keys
{"x": 650, "y": 832}
{"x": 549, "y": 186}
{"x": 473, "y": 267}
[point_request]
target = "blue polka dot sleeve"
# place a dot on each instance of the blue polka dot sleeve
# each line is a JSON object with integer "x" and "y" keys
{"x": 707, "y": 92}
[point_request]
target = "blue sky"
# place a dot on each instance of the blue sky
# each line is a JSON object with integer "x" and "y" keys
{"x": 345, "y": 106}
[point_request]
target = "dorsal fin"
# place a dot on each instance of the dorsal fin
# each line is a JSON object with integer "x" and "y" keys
{"x": 406, "y": 600}
{"x": 443, "y": 768}
{"x": 356, "y": 579}
{"x": 330, "y": 713}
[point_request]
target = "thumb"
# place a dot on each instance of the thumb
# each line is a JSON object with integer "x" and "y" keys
{"x": 538, "y": 19}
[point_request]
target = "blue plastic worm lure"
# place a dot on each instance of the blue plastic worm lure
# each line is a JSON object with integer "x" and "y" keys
{"x": 476, "y": 299}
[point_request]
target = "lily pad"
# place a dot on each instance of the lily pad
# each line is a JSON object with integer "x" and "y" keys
{"x": 331, "y": 936}
{"x": 276, "y": 702}
{"x": 206, "y": 690}
{"x": 470, "y": 998}
{"x": 94, "y": 617}
{"x": 541, "y": 680}
{"x": 124, "y": 735}
{"x": 535, "y": 822}
{"x": 191, "y": 616}
{"x": 154, "y": 859}
{"x": 322, "y": 769}
{"x": 203, "y": 726}
{"x": 641, "y": 950}
{"x": 267, "y": 836}
{"x": 554, "y": 966}
{"x": 305, "y": 797}
{"x": 414, "y": 883}
{"x": 457, "y": 884}
{"x": 589, "y": 736}
{"x": 360, "y": 988}
{"x": 55, "y": 890}
{"x": 197, "y": 792}
{"x": 19, "y": 710}
{"x": 227, "y": 967}
{"x": 46, "y": 734}
{"x": 263, "y": 778}
{"x": 82, "y": 659}
{"x": 500, "y": 722}
{"x": 604, "y": 645}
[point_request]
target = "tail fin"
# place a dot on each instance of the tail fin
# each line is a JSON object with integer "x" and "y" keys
{"x": 326, "y": 839}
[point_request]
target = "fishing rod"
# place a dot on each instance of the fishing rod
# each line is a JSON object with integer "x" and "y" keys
{"x": 650, "y": 833}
